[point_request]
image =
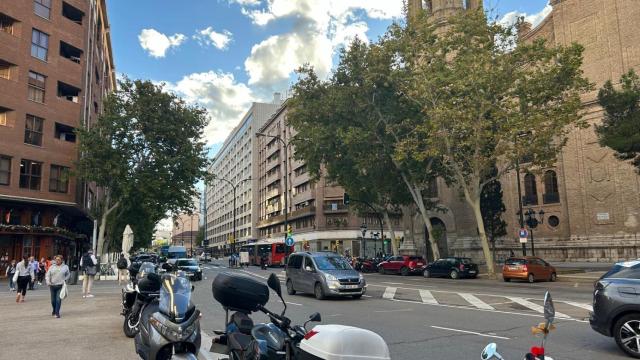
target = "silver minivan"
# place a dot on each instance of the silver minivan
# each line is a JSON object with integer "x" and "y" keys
{"x": 323, "y": 274}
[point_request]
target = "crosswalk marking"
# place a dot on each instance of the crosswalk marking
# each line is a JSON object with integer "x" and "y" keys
{"x": 533, "y": 306}
{"x": 389, "y": 293}
{"x": 580, "y": 305}
{"x": 427, "y": 297}
{"x": 473, "y": 300}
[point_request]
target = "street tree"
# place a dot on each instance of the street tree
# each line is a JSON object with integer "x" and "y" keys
{"x": 145, "y": 152}
{"x": 349, "y": 126}
{"x": 492, "y": 207}
{"x": 620, "y": 129}
{"x": 478, "y": 88}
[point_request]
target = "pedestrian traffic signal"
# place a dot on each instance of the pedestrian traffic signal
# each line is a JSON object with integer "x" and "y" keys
{"x": 345, "y": 199}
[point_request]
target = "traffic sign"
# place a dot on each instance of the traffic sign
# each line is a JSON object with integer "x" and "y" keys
{"x": 523, "y": 234}
{"x": 289, "y": 241}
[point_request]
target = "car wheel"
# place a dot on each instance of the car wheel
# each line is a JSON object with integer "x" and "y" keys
{"x": 318, "y": 292}
{"x": 625, "y": 331}
{"x": 357, "y": 296}
{"x": 381, "y": 270}
{"x": 531, "y": 278}
{"x": 426, "y": 273}
{"x": 454, "y": 274}
{"x": 404, "y": 271}
{"x": 554, "y": 277}
{"x": 506, "y": 279}
{"x": 290, "y": 289}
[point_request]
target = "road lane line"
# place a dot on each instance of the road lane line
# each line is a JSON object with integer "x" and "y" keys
{"x": 427, "y": 297}
{"x": 392, "y": 283}
{"x": 389, "y": 293}
{"x": 533, "y": 306}
{"x": 389, "y": 311}
{"x": 580, "y": 305}
{"x": 473, "y": 300}
{"x": 471, "y": 332}
{"x": 367, "y": 296}
{"x": 292, "y": 303}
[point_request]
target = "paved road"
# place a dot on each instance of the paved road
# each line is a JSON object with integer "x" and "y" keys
{"x": 443, "y": 319}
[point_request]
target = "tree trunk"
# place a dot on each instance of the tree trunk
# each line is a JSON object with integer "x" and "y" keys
{"x": 488, "y": 255}
{"x": 419, "y": 201}
{"x": 392, "y": 233}
{"x": 103, "y": 224}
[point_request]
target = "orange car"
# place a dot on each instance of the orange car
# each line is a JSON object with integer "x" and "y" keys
{"x": 528, "y": 268}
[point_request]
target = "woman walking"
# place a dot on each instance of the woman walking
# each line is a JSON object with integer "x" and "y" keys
{"x": 23, "y": 276}
{"x": 56, "y": 278}
{"x": 11, "y": 270}
{"x": 43, "y": 268}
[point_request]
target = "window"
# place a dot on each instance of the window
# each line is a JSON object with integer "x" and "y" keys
{"x": 530, "y": 190}
{"x": 5, "y": 170}
{"x": 70, "y": 52}
{"x": 59, "y": 179}
{"x": 30, "y": 173}
{"x": 33, "y": 130}
{"x": 551, "y": 194}
{"x": 42, "y": 8}
{"x": 68, "y": 92}
{"x": 37, "y": 84}
{"x": 4, "y": 114}
{"x": 39, "y": 44}
{"x": 72, "y": 13}
{"x": 553, "y": 221}
{"x": 6, "y": 23}
{"x": 65, "y": 133}
{"x": 7, "y": 69}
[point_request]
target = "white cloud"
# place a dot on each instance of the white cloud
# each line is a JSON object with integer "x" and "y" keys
{"x": 246, "y": 2}
{"x": 535, "y": 19}
{"x": 219, "y": 40}
{"x": 225, "y": 99}
{"x": 157, "y": 43}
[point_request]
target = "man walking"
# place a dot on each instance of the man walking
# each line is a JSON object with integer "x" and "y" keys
{"x": 33, "y": 264}
{"x": 89, "y": 265}
{"x": 123, "y": 265}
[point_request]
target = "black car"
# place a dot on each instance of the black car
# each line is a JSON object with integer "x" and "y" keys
{"x": 190, "y": 267}
{"x": 453, "y": 267}
{"x": 616, "y": 306}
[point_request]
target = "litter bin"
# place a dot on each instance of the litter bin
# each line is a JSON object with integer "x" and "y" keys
{"x": 73, "y": 278}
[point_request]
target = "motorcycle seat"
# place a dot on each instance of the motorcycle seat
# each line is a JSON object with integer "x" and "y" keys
{"x": 239, "y": 341}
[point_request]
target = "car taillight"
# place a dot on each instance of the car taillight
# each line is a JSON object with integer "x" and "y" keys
{"x": 525, "y": 268}
{"x": 412, "y": 264}
{"x": 461, "y": 267}
{"x": 310, "y": 334}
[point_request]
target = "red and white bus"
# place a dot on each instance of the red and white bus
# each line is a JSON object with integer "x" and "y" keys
{"x": 275, "y": 252}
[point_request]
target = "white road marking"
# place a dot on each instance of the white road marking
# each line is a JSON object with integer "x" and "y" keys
{"x": 368, "y": 296}
{"x": 471, "y": 332}
{"x": 392, "y": 283}
{"x": 580, "y": 305}
{"x": 427, "y": 297}
{"x": 389, "y": 293}
{"x": 292, "y": 303}
{"x": 396, "y": 310}
{"x": 533, "y": 306}
{"x": 473, "y": 300}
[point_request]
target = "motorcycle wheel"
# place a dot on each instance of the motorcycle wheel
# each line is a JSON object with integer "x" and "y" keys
{"x": 129, "y": 331}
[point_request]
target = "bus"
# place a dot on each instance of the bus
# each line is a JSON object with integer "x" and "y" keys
{"x": 275, "y": 252}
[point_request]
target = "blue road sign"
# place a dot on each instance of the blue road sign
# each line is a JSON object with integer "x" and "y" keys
{"x": 523, "y": 233}
{"x": 289, "y": 241}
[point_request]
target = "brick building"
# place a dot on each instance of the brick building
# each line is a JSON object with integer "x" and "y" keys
{"x": 56, "y": 65}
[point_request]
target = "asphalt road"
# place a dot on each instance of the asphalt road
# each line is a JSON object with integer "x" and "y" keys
{"x": 442, "y": 319}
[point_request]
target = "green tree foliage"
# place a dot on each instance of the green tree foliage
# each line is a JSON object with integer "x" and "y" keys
{"x": 478, "y": 88}
{"x": 621, "y": 126}
{"x": 146, "y": 152}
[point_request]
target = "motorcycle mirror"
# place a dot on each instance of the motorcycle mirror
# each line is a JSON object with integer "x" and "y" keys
{"x": 315, "y": 317}
{"x": 167, "y": 266}
{"x": 489, "y": 352}
{"x": 274, "y": 284}
{"x": 549, "y": 309}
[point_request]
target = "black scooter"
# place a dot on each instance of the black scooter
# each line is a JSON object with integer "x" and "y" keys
{"x": 137, "y": 295}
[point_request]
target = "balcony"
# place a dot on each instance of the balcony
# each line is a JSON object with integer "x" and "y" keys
{"x": 529, "y": 200}
{"x": 68, "y": 92}
{"x": 270, "y": 179}
{"x": 309, "y": 210}
{"x": 273, "y": 193}
{"x": 273, "y": 208}
{"x": 271, "y": 163}
{"x": 271, "y": 150}
{"x": 551, "y": 198}
{"x": 335, "y": 208}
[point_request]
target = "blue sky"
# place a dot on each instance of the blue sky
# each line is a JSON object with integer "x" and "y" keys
{"x": 223, "y": 54}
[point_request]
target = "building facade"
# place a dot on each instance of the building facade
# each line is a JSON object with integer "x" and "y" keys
{"x": 56, "y": 66}
{"x": 590, "y": 200}
{"x": 233, "y": 168}
{"x": 185, "y": 229}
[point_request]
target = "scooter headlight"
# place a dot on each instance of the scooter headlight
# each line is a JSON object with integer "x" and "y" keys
{"x": 173, "y": 334}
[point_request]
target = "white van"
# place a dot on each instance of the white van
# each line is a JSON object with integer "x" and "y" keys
{"x": 175, "y": 253}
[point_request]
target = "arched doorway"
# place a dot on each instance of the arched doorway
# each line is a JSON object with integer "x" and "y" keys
{"x": 440, "y": 234}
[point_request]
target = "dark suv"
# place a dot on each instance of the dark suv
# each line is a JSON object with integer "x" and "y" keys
{"x": 616, "y": 306}
{"x": 453, "y": 267}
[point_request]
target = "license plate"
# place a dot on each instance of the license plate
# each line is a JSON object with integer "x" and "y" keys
{"x": 472, "y": 272}
{"x": 351, "y": 286}
{"x": 513, "y": 268}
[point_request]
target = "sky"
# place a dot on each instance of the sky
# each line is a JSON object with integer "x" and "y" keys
{"x": 224, "y": 54}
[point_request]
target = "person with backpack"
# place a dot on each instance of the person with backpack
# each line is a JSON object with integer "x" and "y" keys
{"x": 89, "y": 265}
{"x": 11, "y": 270}
{"x": 123, "y": 265}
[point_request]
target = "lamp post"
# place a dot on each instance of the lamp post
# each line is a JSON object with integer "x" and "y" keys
{"x": 286, "y": 189}
{"x": 234, "y": 187}
{"x": 363, "y": 229}
{"x": 375, "y": 235}
{"x": 532, "y": 223}
{"x": 520, "y": 212}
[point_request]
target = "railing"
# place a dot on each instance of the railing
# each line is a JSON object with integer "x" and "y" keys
{"x": 333, "y": 208}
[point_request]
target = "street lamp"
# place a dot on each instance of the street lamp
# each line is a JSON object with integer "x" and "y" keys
{"x": 375, "y": 235}
{"x": 520, "y": 212}
{"x": 286, "y": 189}
{"x": 234, "y": 187}
{"x": 363, "y": 229}
{"x": 532, "y": 223}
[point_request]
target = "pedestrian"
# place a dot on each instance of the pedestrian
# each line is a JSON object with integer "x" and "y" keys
{"x": 42, "y": 271}
{"x": 89, "y": 265}
{"x": 23, "y": 276}
{"x": 11, "y": 270}
{"x": 123, "y": 265}
{"x": 56, "y": 278}
{"x": 33, "y": 263}
{"x": 511, "y": 253}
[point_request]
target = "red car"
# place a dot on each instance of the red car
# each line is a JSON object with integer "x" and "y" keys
{"x": 403, "y": 265}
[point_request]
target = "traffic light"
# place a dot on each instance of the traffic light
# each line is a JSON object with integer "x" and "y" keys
{"x": 289, "y": 230}
{"x": 345, "y": 199}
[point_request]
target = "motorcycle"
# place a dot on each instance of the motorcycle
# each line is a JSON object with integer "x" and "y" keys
{"x": 278, "y": 339}
{"x": 544, "y": 328}
{"x": 170, "y": 325}
{"x": 143, "y": 288}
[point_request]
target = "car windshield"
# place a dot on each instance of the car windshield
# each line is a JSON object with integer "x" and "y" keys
{"x": 332, "y": 263}
{"x": 465, "y": 261}
{"x": 515, "y": 262}
{"x": 177, "y": 254}
{"x": 624, "y": 270}
{"x": 189, "y": 262}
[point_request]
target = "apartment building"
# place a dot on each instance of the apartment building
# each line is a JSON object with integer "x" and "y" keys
{"x": 315, "y": 211}
{"x": 234, "y": 171}
{"x": 56, "y": 66}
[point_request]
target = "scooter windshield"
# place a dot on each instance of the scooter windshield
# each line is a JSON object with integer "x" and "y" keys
{"x": 175, "y": 297}
{"x": 145, "y": 269}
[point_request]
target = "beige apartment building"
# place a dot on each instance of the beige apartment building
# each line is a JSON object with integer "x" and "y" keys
{"x": 56, "y": 66}
{"x": 315, "y": 211}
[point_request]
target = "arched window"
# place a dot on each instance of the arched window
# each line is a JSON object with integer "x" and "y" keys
{"x": 530, "y": 190}
{"x": 551, "y": 194}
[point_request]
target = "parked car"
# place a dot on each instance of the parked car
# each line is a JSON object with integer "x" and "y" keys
{"x": 528, "y": 268}
{"x": 403, "y": 265}
{"x": 204, "y": 257}
{"x": 190, "y": 267}
{"x": 616, "y": 306}
{"x": 323, "y": 274}
{"x": 453, "y": 267}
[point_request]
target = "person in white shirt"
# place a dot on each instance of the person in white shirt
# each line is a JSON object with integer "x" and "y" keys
{"x": 23, "y": 276}
{"x": 57, "y": 275}
{"x": 89, "y": 264}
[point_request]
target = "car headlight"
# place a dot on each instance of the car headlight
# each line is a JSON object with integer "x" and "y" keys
{"x": 330, "y": 277}
{"x": 361, "y": 276}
